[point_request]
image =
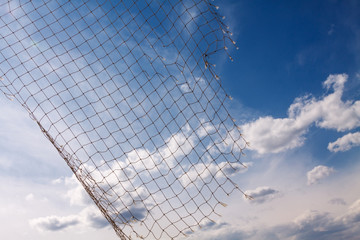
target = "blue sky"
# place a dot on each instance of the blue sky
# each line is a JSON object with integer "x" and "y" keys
{"x": 295, "y": 84}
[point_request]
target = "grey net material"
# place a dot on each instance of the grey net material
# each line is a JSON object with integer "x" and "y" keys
{"x": 127, "y": 93}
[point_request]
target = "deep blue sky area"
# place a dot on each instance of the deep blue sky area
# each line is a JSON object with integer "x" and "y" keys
{"x": 288, "y": 48}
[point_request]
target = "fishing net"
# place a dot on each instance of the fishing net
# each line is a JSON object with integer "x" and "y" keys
{"x": 127, "y": 93}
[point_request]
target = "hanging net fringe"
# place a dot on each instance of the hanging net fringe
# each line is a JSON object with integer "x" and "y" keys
{"x": 127, "y": 93}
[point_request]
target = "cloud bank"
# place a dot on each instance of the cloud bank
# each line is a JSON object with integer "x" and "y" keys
{"x": 309, "y": 225}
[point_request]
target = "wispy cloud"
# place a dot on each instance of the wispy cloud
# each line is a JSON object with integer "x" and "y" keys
{"x": 273, "y": 135}
{"x": 353, "y": 214}
{"x": 262, "y": 194}
{"x": 318, "y": 173}
{"x": 331, "y": 30}
{"x": 54, "y": 223}
{"x": 337, "y": 201}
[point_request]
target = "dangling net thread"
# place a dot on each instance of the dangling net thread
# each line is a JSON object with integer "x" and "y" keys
{"x": 127, "y": 93}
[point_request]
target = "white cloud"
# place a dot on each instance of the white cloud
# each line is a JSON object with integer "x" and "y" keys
{"x": 262, "y": 194}
{"x": 273, "y": 135}
{"x": 345, "y": 143}
{"x": 336, "y": 114}
{"x": 318, "y": 173}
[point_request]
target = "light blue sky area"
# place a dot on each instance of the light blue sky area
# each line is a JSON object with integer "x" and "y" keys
{"x": 295, "y": 88}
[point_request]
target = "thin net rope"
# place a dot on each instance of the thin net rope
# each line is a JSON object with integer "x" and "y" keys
{"x": 127, "y": 93}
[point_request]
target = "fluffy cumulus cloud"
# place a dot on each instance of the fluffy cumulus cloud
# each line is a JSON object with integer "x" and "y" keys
{"x": 262, "y": 194}
{"x": 273, "y": 135}
{"x": 318, "y": 173}
{"x": 345, "y": 143}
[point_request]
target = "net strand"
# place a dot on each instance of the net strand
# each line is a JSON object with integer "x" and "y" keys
{"x": 127, "y": 93}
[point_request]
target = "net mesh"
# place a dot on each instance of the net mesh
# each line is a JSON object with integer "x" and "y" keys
{"x": 127, "y": 93}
